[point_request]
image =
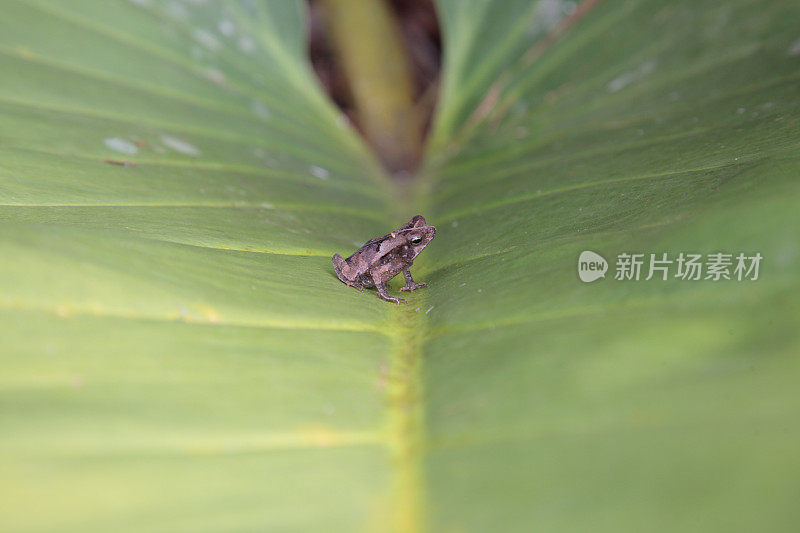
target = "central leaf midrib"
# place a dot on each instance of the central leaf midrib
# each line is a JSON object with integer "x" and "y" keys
{"x": 406, "y": 411}
{"x": 408, "y": 328}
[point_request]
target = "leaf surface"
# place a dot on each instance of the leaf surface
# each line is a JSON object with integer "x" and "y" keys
{"x": 179, "y": 355}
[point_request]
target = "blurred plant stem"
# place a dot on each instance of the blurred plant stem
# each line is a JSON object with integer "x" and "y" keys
{"x": 366, "y": 36}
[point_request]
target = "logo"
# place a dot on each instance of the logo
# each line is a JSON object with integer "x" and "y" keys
{"x": 591, "y": 266}
{"x": 684, "y": 266}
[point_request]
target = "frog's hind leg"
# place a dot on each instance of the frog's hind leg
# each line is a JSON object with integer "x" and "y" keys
{"x": 339, "y": 265}
{"x": 345, "y": 272}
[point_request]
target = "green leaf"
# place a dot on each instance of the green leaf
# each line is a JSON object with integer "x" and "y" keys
{"x": 655, "y": 405}
{"x": 179, "y": 355}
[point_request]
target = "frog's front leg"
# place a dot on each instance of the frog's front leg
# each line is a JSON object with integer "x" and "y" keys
{"x": 410, "y": 283}
{"x": 383, "y": 294}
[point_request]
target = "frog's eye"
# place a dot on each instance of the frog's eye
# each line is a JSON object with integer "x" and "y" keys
{"x": 415, "y": 240}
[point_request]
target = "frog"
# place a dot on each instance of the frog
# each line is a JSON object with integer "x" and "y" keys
{"x": 381, "y": 259}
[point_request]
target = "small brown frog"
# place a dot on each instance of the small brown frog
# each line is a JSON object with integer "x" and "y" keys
{"x": 383, "y": 258}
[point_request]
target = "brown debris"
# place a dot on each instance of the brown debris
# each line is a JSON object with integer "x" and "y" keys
{"x": 421, "y": 38}
{"x": 119, "y": 162}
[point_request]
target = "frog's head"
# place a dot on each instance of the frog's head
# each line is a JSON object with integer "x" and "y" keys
{"x": 417, "y": 234}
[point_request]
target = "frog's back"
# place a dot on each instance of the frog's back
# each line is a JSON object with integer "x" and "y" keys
{"x": 371, "y": 251}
